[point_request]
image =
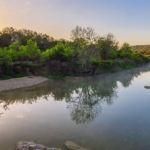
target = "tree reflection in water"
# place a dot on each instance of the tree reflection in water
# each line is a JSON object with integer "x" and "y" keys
{"x": 83, "y": 95}
{"x": 85, "y": 103}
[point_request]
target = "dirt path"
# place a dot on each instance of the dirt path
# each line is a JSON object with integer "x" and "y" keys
{"x": 20, "y": 82}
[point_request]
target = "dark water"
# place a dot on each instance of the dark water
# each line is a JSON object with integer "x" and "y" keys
{"x": 106, "y": 112}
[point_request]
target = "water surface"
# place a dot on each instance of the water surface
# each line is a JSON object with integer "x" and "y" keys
{"x": 105, "y": 112}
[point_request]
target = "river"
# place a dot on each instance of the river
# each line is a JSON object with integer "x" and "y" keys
{"x": 103, "y": 112}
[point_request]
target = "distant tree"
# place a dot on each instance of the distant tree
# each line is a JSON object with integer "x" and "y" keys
{"x": 125, "y": 51}
{"x": 8, "y": 30}
{"x": 5, "y": 40}
{"x": 87, "y": 35}
{"x": 126, "y": 47}
{"x": 9, "y": 35}
{"x": 44, "y": 41}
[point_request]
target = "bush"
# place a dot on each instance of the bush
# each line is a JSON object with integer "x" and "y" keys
{"x": 95, "y": 61}
{"x": 136, "y": 58}
{"x": 59, "y": 52}
{"x": 145, "y": 58}
{"x": 113, "y": 54}
{"x": 99, "y": 62}
{"x": 124, "y": 54}
{"x": 30, "y": 52}
{"x": 5, "y": 56}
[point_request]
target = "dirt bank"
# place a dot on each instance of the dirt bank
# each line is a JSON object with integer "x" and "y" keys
{"x": 20, "y": 82}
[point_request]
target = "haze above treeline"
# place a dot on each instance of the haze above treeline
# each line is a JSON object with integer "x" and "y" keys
{"x": 126, "y": 19}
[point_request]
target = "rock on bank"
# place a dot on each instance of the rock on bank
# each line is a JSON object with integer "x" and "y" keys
{"x": 32, "y": 146}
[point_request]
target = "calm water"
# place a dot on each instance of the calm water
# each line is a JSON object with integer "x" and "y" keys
{"x": 106, "y": 112}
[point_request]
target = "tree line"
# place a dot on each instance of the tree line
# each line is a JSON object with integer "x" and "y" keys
{"x": 25, "y": 51}
{"x": 142, "y": 49}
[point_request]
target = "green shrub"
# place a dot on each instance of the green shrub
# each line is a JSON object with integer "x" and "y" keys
{"x": 14, "y": 55}
{"x": 145, "y": 58}
{"x": 99, "y": 62}
{"x": 5, "y": 56}
{"x": 30, "y": 52}
{"x": 124, "y": 54}
{"x": 95, "y": 61}
{"x": 136, "y": 58}
{"x": 60, "y": 52}
{"x": 112, "y": 54}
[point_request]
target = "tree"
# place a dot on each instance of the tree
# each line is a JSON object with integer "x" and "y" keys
{"x": 8, "y": 35}
{"x": 106, "y": 45}
{"x": 30, "y": 52}
{"x": 61, "y": 52}
{"x": 5, "y": 40}
{"x": 87, "y": 35}
{"x": 126, "y": 47}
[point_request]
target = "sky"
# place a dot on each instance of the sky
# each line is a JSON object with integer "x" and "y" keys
{"x": 127, "y": 20}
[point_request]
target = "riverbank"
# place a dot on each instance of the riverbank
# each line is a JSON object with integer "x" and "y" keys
{"x": 28, "y": 81}
{"x": 21, "y": 82}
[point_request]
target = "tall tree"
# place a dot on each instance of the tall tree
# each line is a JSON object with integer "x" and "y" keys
{"x": 87, "y": 34}
{"x": 106, "y": 44}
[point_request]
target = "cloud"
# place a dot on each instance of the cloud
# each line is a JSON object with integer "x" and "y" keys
{"x": 28, "y": 3}
{"x": 20, "y": 117}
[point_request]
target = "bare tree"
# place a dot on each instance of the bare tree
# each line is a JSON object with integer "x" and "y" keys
{"x": 88, "y": 34}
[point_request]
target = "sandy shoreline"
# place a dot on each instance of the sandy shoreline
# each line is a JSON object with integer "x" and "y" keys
{"x": 20, "y": 82}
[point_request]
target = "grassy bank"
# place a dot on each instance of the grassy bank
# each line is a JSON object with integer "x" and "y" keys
{"x": 58, "y": 69}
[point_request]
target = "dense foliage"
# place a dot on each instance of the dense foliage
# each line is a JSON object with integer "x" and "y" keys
{"x": 142, "y": 49}
{"x": 27, "y": 52}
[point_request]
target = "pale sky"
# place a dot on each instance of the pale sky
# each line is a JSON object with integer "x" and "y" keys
{"x": 128, "y": 20}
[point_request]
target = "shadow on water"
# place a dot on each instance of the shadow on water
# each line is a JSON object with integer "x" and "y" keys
{"x": 83, "y": 95}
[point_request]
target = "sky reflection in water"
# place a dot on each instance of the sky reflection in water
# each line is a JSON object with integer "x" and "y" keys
{"x": 110, "y": 111}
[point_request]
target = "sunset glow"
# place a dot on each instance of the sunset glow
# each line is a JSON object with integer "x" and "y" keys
{"x": 127, "y": 20}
